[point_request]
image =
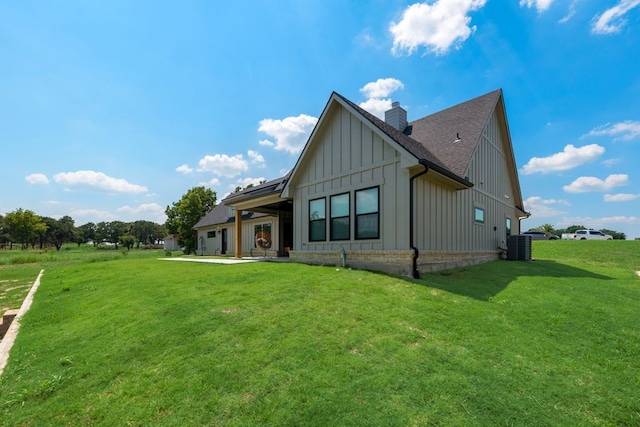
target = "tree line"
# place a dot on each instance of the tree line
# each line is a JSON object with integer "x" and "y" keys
{"x": 27, "y": 229}
{"x": 548, "y": 228}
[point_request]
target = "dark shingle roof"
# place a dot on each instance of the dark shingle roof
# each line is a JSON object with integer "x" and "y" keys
{"x": 270, "y": 187}
{"x": 431, "y": 138}
{"x": 409, "y": 144}
{"x": 220, "y": 215}
{"x": 437, "y": 131}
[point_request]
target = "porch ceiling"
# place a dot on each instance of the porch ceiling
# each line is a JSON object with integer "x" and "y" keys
{"x": 269, "y": 204}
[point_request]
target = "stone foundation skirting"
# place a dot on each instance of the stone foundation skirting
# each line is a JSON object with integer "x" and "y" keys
{"x": 398, "y": 262}
{"x": 445, "y": 260}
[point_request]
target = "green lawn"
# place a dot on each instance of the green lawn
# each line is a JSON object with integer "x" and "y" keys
{"x": 131, "y": 340}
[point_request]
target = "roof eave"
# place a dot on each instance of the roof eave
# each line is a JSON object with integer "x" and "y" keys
{"x": 447, "y": 176}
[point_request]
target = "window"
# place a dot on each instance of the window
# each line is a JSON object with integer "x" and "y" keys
{"x": 368, "y": 213}
{"x": 211, "y": 234}
{"x": 507, "y": 224}
{"x": 317, "y": 220}
{"x": 339, "y": 212}
{"x": 479, "y": 215}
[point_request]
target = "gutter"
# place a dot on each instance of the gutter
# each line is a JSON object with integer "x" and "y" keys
{"x": 414, "y": 266}
{"x": 445, "y": 172}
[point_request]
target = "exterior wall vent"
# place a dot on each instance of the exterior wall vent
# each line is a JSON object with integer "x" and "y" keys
{"x": 396, "y": 116}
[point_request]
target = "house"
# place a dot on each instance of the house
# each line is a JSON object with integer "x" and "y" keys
{"x": 171, "y": 242}
{"x": 216, "y": 233}
{"x": 395, "y": 196}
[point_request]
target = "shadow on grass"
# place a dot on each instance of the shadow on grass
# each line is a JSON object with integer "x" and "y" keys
{"x": 485, "y": 281}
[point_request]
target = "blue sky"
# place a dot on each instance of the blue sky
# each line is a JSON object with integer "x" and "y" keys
{"x": 113, "y": 110}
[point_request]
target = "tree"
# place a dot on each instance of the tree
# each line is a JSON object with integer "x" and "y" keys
{"x": 615, "y": 234}
{"x": 24, "y": 226}
{"x": 144, "y": 232}
{"x": 86, "y": 233}
{"x": 110, "y": 232}
{"x": 127, "y": 241}
{"x": 4, "y": 233}
{"x": 159, "y": 233}
{"x": 115, "y": 230}
{"x": 101, "y": 232}
{"x": 185, "y": 213}
{"x": 58, "y": 231}
{"x": 547, "y": 228}
{"x": 574, "y": 228}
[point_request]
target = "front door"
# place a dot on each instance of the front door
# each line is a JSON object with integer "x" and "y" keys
{"x": 223, "y": 234}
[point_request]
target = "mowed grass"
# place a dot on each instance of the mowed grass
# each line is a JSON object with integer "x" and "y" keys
{"x": 139, "y": 341}
{"x": 19, "y": 268}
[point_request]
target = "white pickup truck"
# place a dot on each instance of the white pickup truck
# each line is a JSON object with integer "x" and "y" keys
{"x": 586, "y": 235}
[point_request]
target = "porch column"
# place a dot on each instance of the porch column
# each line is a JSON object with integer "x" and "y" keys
{"x": 238, "y": 233}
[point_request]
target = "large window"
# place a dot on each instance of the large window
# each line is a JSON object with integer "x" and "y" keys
{"x": 317, "y": 220}
{"x": 368, "y": 213}
{"x": 339, "y": 213}
{"x": 479, "y": 215}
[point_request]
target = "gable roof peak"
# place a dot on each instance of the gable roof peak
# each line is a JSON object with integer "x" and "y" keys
{"x": 452, "y": 134}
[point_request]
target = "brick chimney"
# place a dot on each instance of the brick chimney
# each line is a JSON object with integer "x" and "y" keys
{"x": 396, "y": 117}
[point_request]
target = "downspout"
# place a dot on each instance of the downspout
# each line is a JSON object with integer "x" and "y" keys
{"x": 414, "y": 268}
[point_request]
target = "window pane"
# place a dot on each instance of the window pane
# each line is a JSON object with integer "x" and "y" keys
{"x": 317, "y": 230}
{"x": 479, "y": 217}
{"x": 317, "y": 209}
{"x": 367, "y": 201}
{"x": 340, "y": 228}
{"x": 340, "y": 205}
{"x": 508, "y": 225}
{"x": 367, "y": 226}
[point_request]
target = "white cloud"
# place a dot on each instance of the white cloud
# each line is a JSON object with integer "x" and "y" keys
{"x": 290, "y": 133}
{"x": 223, "y": 165}
{"x": 437, "y": 26}
{"x": 544, "y": 208}
{"x": 569, "y": 158}
{"x": 97, "y": 180}
{"x": 629, "y": 130}
{"x": 376, "y": 92}
{"x": 213, "y": 182}
{"x": 92, "y": 215}
{"x": 621, "y": 197}
{"x": 610, "y": 162}
{"x": 256, "y": 157}
{"x": 610, "y": 21}
{"x": 146, "y": 211}
{"x": 266, "y": 143}
{"x": 570, "y": 13}
{"x": 377, "y": 107}
{"x": 381, "y": 88}
{"x": 586, "y": 184}
{"x": 540, "y": 5}
{"x": 37, "y": 178}
{"x": 185, "y": 169}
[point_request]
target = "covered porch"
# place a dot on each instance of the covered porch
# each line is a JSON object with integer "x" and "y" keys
{"x": 265, "y": 199}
